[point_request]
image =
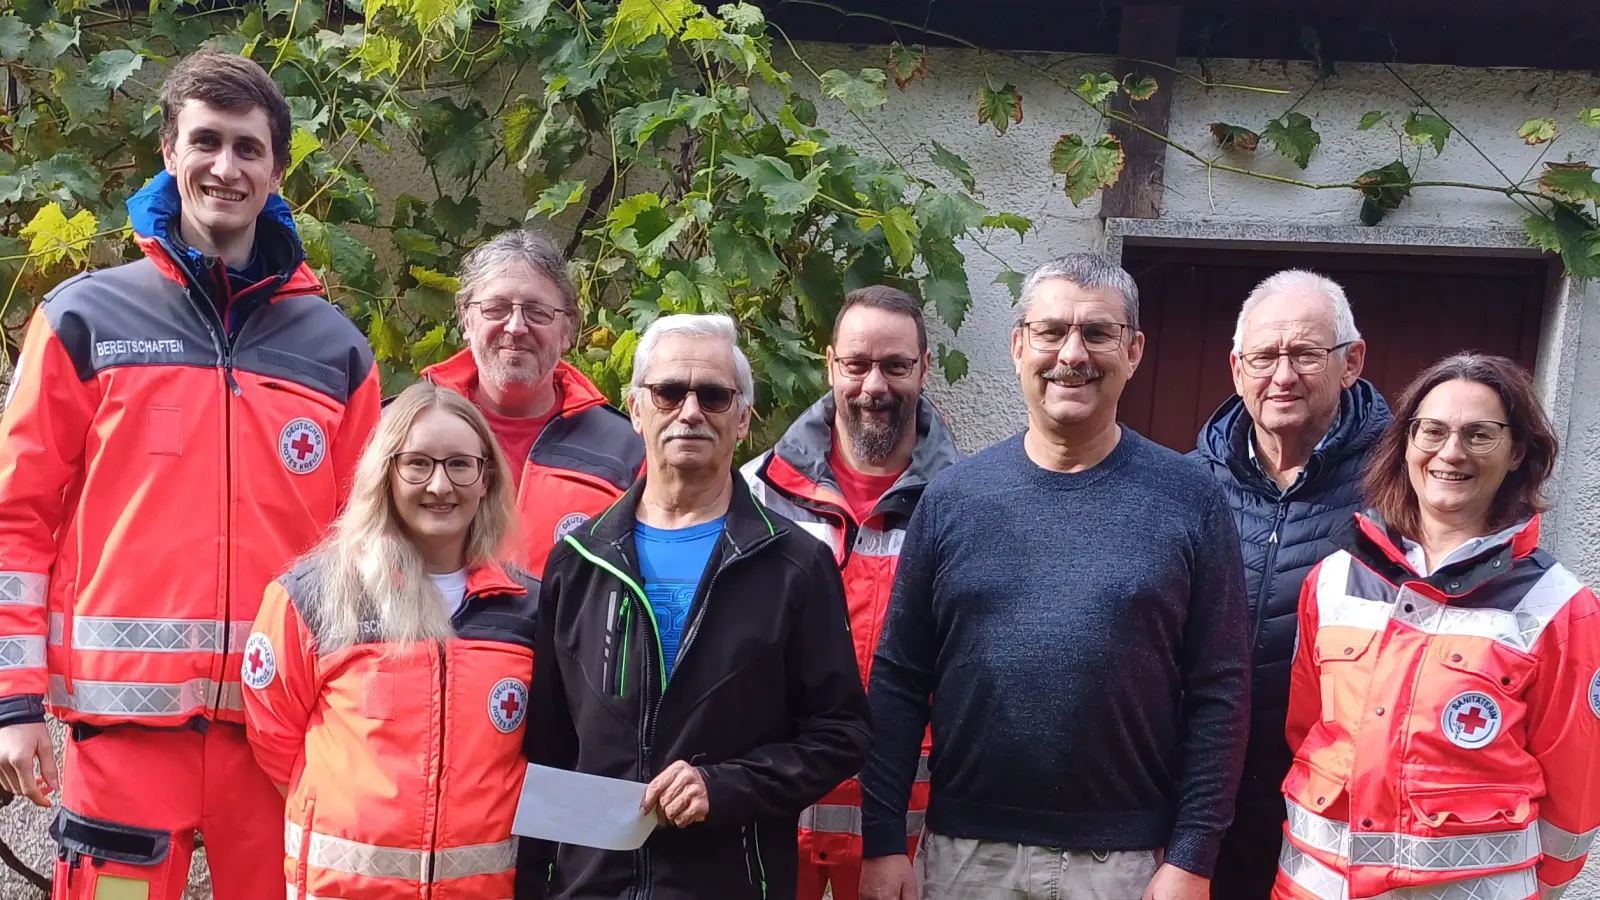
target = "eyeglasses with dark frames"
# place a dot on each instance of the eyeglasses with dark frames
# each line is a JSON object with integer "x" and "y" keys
{"x": 1303, "y": 360}
{"x": 892, "y": 367}
{"x": 1477, "y": 438}
{"x": 500, "y": 311}
{"x": 669, "y": 395}
{"x": 417, "y": 468}
{"x": 1050, "y": 335}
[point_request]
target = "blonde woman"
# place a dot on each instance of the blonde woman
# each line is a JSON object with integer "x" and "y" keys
{"x": 387, "y": 676}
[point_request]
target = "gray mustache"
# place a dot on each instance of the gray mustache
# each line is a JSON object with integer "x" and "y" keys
{"x": 1080, "y": 370}
{"x": 688, "y": 431}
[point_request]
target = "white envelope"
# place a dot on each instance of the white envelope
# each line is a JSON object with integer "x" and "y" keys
{"x": 585, "y": 810}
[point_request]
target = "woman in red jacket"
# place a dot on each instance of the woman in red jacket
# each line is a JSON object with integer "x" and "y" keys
{"x": 387, "y": 676}
{"x": 1445, "y": 696}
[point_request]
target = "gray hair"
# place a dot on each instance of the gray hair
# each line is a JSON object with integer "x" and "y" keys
{"x": 1344, "y": 321}
{"x": 518, "y": 248}
{"x": 719, "y": 327}
{"x": 1088, "y": 271}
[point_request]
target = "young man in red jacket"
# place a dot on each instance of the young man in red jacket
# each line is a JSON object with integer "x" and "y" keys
{"x": 571, "y": 453}
{"x": 850, "y": 471}
{"x": 180, "y": 429}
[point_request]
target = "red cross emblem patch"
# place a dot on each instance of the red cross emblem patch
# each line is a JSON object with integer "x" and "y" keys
{"x": 1471, "y": 720}
{"x": 508, "y": 704}
{"x": 259, "y": 663}
{"x": 301, "y": 446}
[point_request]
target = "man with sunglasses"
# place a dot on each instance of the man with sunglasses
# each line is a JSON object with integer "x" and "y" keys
{"x": 1069, "y": 614}
{"x": 1288, "y": 451}
{"x": 571, "y": 453}
{"x": 850, "y": 470}
{"x": 693, "y": 640}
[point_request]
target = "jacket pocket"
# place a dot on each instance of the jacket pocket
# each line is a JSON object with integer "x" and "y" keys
{"x": 1343, "y": 671}
{"x": 1313, "y": 788}
{"x": 1475, "y": 664}
{"x": 1473, "y": 809}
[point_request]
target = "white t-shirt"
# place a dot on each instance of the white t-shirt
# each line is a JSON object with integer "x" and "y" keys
{"x": 454, "y": 588}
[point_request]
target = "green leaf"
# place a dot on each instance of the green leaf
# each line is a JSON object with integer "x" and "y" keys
{"x": 1424, "y": 129}
{"x": 1095, "y": 87}
{"x": 427, "y": 14}
{"x": 53, "y": 237}
{"x": 458, "y": 140}
{"x": 899, "y": 229}
{"x": 907, "y": 64}
{"x": 436, "y": 280}
{"x": 429, "y": 303}
{"x": 1371, "y": 118}
{"x": 314, "y": 238}
{"x": 302, "y": 144}
{"x": 10, "y": 188}
{"x": 517, "y": 125}
{"x": 637, "y": 20}
{"x": 775, "y": 180}
{"x": 416, "y": 243}
{"x": 1087, "y": 167}
{"x": 1013, "y": 282}
{"x": 950, "y": 296}
{"x": 743, "y": 16}
{"x": 431, "y": 347}
{"x": 948, "y": 216}
{"x": 820, "y": 290}
{"x": 14, "y": 37}
{"x": 456, "y": 217}
{"x": 1382, "y": 191}
{"x": 386, "y": 338}
{"x": 953, "y": 363}
{"x": 521, "y": 15}
{"x": 1574, "y": 181}
{"x": 110, "y": 69}
{"x": 554, "y": 199}
{"x": 306, "y": 113}
{"x": 58, "y": 37}
{"x": 742, "y": 255}
{"x": 1537, "y": 131}
{"x": 254, "y": 24}
{"x": 76, "y": 178}
{"x": 702, "y": 28}
{"x": 858, "y": 93}
{"x": 1235, "y": 137}
{"x": 1139, "y": 88}
{"x": 1570, "y": 232}
{"x": 1000, "y": 108}
{"x": 1293, "y": 137}
{"x": 955, "y": 165}
{"x": 1019, "y": 224}
{"x": 379, "y": 53}
{"x": 1590, "y": 116}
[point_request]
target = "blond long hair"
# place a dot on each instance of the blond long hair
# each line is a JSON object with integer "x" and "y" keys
{"x": 374, "y": 584}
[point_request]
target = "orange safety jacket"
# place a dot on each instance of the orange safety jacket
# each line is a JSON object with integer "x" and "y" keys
{"x": 158, "y": 469}
{"x": 402, "y": 763}
{"x": 585, "y": 458}
{"x": 1446, "y": 729}
{"x": 794, "y": 479}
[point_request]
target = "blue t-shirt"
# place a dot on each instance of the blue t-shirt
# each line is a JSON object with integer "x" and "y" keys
{"x": 672, "y": 561}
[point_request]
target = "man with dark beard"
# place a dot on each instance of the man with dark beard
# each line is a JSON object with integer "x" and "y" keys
{"x": 850, "y": 471}
{"x": 572, "y": 454}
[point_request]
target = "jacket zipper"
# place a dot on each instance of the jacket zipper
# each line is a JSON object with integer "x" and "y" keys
{"x": 438, "y": 785}
{"x": 611, "y": 633}
{"x": 1265, "y": 590}
{"x": 761, "y": 867}
{"x": 622, "y": 660}
{"x": 224, "y": 356}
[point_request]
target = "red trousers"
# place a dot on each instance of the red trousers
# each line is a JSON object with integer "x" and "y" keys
{"x": 124, "y": 787}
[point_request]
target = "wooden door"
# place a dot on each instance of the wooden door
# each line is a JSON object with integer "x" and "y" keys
{"x": 1412, "y": 311}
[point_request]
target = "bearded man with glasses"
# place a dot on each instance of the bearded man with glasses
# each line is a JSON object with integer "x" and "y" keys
{"x": 691, "y": 639}
{"x": 850, "y": 471}
{"x": 1289, "y": 452}
{"x": 571, "y": 453}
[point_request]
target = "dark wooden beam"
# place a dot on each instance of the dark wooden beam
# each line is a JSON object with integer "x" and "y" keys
{"x": 1149, "y": 34}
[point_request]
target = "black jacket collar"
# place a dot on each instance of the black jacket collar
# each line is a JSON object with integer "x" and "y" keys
{"x": 747, "y": 524}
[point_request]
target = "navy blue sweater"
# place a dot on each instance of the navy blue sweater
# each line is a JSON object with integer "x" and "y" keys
{"x": 1083, "y": 641}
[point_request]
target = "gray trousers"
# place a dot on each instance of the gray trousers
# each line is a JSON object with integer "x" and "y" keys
{"x": 967, "y": 869}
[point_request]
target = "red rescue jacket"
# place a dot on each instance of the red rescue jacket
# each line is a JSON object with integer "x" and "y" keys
{"x": 795, "y": 480}
{"x": 1446, "y": 728}
{"x": 584, "y": 460}
{"x": 156, "y": 472}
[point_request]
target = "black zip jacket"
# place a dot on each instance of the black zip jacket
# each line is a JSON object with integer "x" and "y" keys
{"x": 765, "y": 700}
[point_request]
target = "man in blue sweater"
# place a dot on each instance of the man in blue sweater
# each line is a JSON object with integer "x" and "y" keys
{"x": 1072, "y": 601}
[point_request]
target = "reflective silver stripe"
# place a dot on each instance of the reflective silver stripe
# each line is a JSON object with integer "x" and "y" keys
{"x": 872, "y": 542}
{"x": 914, "y": 822}
{"x": 115, "y": 698}
{"x": 371, "y": 860}
{"x": 22, "y": 652}
{"x": 232, "y": 696}
{"x": 1326, "y": 884}
{"x": 148, "y": 635}
{"x": 923, "y": 774}
{"x": 832, "y": 819}
{"x": 1519, "y": 628}
{"x": 1564, "y": 845}
{"x": 58, "y": 629}
{"x": 238, "y": 634}
{"x": 23, "y": 588}
{"x": 1406, "y": 851}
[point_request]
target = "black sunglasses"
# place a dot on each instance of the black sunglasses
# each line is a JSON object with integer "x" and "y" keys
{"x": 669, "y": 395}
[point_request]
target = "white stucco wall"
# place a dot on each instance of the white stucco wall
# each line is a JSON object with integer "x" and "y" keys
{"x": 1012, "y": 172}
